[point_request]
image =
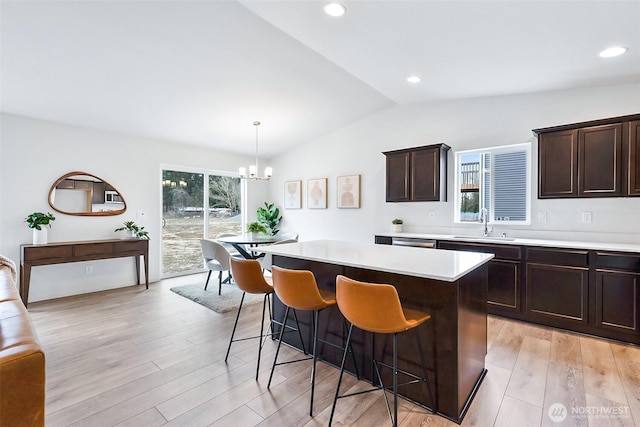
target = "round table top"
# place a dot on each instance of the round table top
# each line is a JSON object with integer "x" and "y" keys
{"x": 250, "y": 239}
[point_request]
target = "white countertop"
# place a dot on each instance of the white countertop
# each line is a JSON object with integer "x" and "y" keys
{"x": 435, "y": 264}
{"x": 598, "y": 246}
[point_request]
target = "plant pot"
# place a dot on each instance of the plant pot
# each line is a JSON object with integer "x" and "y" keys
{"x": 397, "y": 228}
{"x": 40, "y": 236}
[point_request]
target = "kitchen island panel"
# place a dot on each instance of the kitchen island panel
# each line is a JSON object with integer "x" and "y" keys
{"x": 455, "y": 337}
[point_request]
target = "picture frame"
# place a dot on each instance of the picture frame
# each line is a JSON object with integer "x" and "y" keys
{"x": 317, "y": 193}
{"x": 293, "y": 194}
{"x": 348, "y": 192}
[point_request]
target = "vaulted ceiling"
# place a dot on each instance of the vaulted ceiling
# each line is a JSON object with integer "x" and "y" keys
{"x": 201, "y": 72}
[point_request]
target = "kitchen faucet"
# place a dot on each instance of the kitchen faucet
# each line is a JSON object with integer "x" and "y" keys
{"x": 484, "y": 219}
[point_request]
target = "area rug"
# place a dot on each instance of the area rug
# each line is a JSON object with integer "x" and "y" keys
{"x": 228, "y": 301}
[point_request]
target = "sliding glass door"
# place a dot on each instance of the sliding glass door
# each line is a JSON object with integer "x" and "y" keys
{"x": 195, "y": 205}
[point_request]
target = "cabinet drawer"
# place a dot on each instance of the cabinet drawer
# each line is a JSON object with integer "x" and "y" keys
{"x": 131, "y": 245}
{"x": 93, "y": 249}
{"x": 618, "y": 261}
{"x": 573, "y": 258}
{"x": 47, "y": 252}
{"x": 500, "y": 251}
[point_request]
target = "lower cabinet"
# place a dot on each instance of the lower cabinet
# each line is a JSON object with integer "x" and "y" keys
{"x": 586, "y": 291}
{"x": 617, "y": 294}
{"x": 504, "y": 293}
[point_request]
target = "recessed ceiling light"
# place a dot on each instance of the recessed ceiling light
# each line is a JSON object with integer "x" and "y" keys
{"x": 414, "y": 79}
{"x": 334, "y": 9}
{"x": 613, "y": 51}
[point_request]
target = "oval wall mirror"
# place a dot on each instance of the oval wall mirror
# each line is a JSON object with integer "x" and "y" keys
{"x": 84, "y": 194}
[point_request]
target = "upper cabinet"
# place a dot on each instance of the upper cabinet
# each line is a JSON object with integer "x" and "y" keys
{"x": 633, "y": 173}
{"x": 590, "y": 159}
{"x": 417, "y": 174}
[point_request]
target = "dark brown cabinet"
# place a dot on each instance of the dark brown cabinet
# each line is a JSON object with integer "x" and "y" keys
{"x": 417, "y": 174}
{"x": 600, "y": 160}
{"x": 590, "y": 159}
{"x": 558, "y": 161}
{"x": 557, "y": 286}
{"x": 505, "y": 271}
{"x": 587, "y": 291}
{"x": 633, "y": 162}
{"x": 617, "y": 288}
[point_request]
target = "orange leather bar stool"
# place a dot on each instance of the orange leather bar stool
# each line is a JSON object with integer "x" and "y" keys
{"x": 298, "y": 290}
{"x": 247, "y": 274}
{"x": 376, "y": 308}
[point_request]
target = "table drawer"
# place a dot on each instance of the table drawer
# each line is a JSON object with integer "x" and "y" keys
{"x": 47, "y": 252}
{"x": 93, "y": 249}
{"x": 131, "y": 245}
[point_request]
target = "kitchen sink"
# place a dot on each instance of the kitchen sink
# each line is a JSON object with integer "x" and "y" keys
{"x": 485, "y": 239}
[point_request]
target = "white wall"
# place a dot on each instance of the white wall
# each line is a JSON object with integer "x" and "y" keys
{"x": 463, "y": 125}
{"x": 34, "y": 153}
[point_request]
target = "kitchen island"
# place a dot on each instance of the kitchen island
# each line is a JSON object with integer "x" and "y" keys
{"x": 449, "y": 285}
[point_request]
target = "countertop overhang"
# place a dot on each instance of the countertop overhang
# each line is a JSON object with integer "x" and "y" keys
{"x": 568, "y": 244}
{"x": 435, "y": 264}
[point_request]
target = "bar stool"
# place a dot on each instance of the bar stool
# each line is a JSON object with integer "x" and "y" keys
{"x": 247, "y": 274}
{"x": 298, "y": 290}
{"x": 377, "y": 308}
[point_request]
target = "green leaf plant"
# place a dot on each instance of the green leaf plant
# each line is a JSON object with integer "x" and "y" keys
{"x": 139, "y": 232}
{"x": 38, "y": 219}
{"x": 269, "y": 216}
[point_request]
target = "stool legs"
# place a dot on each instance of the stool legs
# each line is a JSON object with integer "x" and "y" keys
{"x": 344, "y": 357}
{"x": 376, "y": 371}
{"x": 235, "y": 325}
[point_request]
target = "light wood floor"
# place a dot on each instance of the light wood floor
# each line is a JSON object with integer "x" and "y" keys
{"x": 135, "y": 357}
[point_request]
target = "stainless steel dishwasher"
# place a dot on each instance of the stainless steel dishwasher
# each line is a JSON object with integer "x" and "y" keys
{"x": 413, "y": 242}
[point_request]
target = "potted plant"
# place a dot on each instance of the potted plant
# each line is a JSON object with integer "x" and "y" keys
{"x": 256, "y": 228}
{"x": 269, "y": 216}
{"x": 37, "y": 221}
{"x": 397, "y": 225}
{"x": 134, "y": 230}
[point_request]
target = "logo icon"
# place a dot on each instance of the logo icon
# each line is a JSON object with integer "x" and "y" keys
{"x": 557, "y": 412}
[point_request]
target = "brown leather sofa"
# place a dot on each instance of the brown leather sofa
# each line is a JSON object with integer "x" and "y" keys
{"x": 22, "y": 365}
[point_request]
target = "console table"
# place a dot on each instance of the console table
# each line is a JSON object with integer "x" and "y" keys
{"x": 87, "y": 250}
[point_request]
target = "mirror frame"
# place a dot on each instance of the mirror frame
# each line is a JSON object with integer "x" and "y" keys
{"x": 75, "y": 173}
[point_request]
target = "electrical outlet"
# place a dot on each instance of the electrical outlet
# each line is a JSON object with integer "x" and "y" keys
{"x": 542, "y": 216}
{"x": 88, "y": 269}
{"x": 586, "y": 217}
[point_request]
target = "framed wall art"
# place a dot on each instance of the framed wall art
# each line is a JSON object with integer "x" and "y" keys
{"x": 348, "y": 191}
{"x": 292, "y": 194}
{"x": 317, "y": 193}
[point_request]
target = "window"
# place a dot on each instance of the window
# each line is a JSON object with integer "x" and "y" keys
{"x": 496, "y": 179}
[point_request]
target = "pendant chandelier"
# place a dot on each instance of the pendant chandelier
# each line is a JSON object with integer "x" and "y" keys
{"x": 253, "y": 169}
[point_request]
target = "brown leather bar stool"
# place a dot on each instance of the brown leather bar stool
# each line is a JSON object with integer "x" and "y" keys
{"x": 298, "y": 290}
{"x": 247, "y": 274}
{"x": 377, "y": 308}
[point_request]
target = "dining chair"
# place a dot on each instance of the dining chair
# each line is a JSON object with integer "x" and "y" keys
{"x": 289, "y": 236}
{"x": 267, "y": 259}
{"x": 228, "y": 246}
{"x": 216, "y": 258}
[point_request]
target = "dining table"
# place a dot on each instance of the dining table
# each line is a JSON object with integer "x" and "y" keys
{"x": 252, "y": 240}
